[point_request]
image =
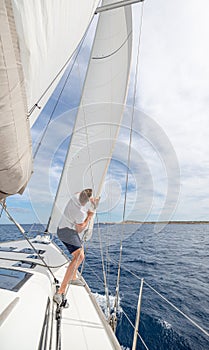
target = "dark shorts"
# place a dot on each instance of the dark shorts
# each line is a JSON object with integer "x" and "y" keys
{"x": 70, "y": 238}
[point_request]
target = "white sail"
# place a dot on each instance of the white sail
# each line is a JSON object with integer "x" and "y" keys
{"x": 100, "y": 112}
{"x": 38, "y": 37}
{"x": 49, "y": 31}
{"x": 15, "y": 141}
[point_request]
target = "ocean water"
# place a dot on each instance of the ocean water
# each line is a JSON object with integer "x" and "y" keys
{"x": 174, "y": 262}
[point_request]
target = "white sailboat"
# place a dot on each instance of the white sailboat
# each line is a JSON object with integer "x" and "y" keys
{"x": 32, "y": 59}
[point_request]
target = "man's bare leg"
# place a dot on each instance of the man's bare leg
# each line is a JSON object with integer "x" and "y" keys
{"x": 71, "y": 272}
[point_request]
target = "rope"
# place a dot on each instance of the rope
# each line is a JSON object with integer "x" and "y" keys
{"x": 87, "y": 140}
{"x": 165, "y": 299}
{"x": 3, "y": 203}
{"x": 35, "y": 262}
{"x": 86, "y": 127}
{"x": 181, "y": 312}
{"x": 128, "y": 165}
{"x": 155, "y": 291}
{"x": 104, "y": 275}
{"x": 93, "y": 187}
{"x": 58, "y": 329}
{"x": 109, "y": 291}
{"x": 60, "y": 307}
{"x": 107, "y": 255}
{"x": 60, "y": 94}
{"x": 49, "y": 221}
{"x": 60, "y": 71}
{"x": 96, "y": 274}
{"x": 51, "y": 328}
{"x": 103, "y": 271}
{"x": 131, "y": 323}
{"x": 22, "y": 231}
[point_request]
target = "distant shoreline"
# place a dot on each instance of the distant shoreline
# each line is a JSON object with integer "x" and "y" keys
{"x": 128, "y": 222}
{"x": 155, "y": 222}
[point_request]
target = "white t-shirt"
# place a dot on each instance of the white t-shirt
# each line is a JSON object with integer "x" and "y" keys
{"x": 74, "y": 213}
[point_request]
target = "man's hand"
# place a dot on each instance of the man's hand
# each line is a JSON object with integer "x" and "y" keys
{"x": 80, "y": 227}
{"x": 95, "y": 201}
{"x": 90, "y": 213}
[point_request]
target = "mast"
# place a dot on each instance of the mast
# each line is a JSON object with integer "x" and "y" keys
{"x": 116, "y": 5}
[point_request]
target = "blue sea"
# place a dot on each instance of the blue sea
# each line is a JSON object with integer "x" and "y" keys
{"x": 174, "y": 262}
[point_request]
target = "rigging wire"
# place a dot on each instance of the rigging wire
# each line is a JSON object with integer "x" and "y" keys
{"x": 107, "y": 255}
{"x": 60, "y": 94}
{"x": 93, "y": 187}
{"x": 161, "y": 296}
{"x": 155, "y": 291}
{"x": 130, "y": 322}
{"x": 128, "y": 165}
{"x": 36, "y": 105}
{"x": 181, "y": 312}
{"x": 3, "y": 203}
{"x": 49, "y": 221}
{"x": 36, "y": 262}
{"x": 22, "y": 231}
{"x": 140, "y": 337}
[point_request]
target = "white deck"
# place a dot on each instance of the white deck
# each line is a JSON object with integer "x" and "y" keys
{"x": 22, "y": 313}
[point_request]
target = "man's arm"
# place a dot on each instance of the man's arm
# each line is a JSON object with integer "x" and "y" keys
{"x": 80, "y": 227}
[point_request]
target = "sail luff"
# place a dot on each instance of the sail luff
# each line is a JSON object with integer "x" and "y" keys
{"x": 100, "y": 112}
{"x": 48, "y": 34}
{"x": 66, "y": 158}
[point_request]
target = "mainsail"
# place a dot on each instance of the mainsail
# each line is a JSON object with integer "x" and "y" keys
{"x": 100, "y": 112}
{"x": 37, "y": 40}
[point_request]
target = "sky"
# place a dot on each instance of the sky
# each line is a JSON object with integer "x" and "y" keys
{"x": 169, "y": 168}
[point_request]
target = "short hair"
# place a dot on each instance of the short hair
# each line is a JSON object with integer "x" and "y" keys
{"x": 85, "y": 195}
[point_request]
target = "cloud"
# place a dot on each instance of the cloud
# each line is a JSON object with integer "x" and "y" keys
{"x": 172, "y": 90}
{"x": 169, "y": 162}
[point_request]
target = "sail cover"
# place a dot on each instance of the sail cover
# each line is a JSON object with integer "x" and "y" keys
{"x": 38, "y": 37}
{"x": 100, "y": 111}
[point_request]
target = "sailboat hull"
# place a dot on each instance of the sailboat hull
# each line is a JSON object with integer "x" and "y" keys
{"x": 28, "y": 308}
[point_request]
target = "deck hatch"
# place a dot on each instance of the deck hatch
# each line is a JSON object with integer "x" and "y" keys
{"x": 13, "y": 279}
{"x": 7, "y": 249}
{"x": 31, "y": 251}
{"x": 24, "y": 264}
{"x": 33, "y": 256}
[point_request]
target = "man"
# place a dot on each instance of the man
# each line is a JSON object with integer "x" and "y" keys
{"x": 74, "y": 221}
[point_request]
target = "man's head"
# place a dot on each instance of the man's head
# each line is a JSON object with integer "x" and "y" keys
{"x": 85, "y": 195}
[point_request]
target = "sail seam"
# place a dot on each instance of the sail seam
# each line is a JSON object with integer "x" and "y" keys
{"x": 31, "y": 110}
{"x": 114, "y": 52}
